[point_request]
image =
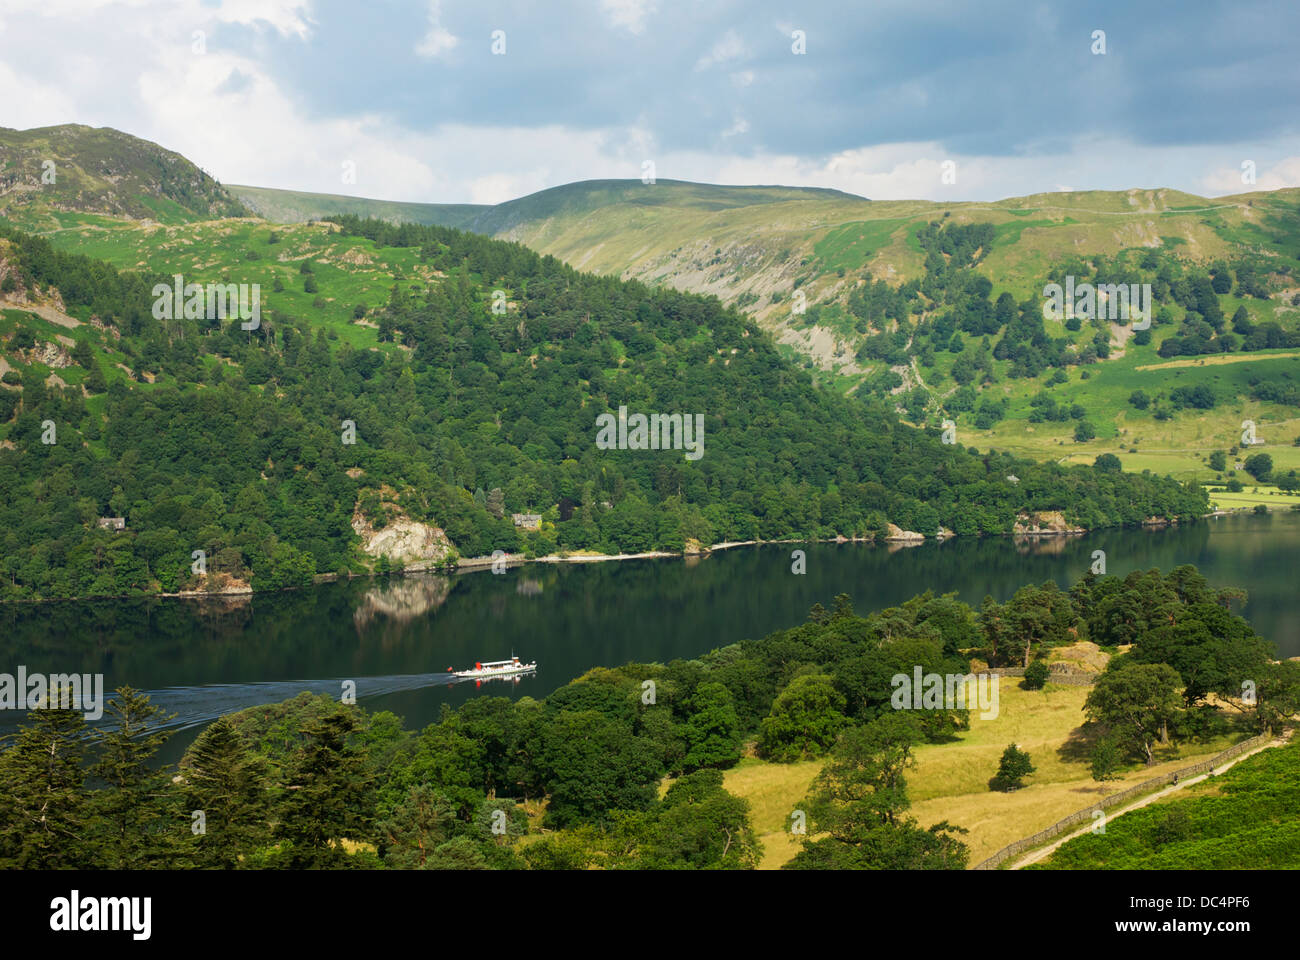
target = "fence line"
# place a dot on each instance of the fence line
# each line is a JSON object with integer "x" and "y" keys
{"x": 1083, "y": 816}
{"x": 1058, "y": 672}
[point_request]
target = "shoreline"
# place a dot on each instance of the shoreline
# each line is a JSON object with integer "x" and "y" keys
{"x": 474, "y": 564}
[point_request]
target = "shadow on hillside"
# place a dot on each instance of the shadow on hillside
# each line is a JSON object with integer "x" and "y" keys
{"x": 1080, "y": 743}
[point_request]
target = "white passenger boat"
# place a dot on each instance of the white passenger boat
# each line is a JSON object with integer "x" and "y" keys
{"x": 495, "y": 668}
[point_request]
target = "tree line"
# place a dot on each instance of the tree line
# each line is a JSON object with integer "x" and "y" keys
{"x": 573, "y": 780}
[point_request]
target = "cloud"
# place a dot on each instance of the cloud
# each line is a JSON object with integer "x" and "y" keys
{"x": 287, "y": 17}
{"x": 629, "y": 15}
{"x": 729, "y": 47}
{"x": 438, "y": 40}
{"x": 739, "y": 125}
{"x": 236, "y": 82}
{"x": 708, "y": 92}
{"x": 1227, "y": 180}
{"x": 30, "y": 101}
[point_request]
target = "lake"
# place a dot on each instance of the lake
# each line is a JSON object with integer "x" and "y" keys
{"x": 395, "y": 638}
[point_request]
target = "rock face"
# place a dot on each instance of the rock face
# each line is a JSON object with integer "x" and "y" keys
{"x": 1044, "y": 523}
{"x": 898, "y": 535}
{"x": 403, "y": 541}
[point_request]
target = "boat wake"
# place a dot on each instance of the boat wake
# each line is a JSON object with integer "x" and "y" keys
{"x": 199, "y": 705}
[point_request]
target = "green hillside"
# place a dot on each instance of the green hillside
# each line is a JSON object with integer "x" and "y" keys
{"x": 850, "y": 292}
{"x": 48, "y": 173}
{"x": 203, "y": 434}
{"x": 933, "y": 308}
{"x": 869, "y": 296}
{"x": 292, "y": 206}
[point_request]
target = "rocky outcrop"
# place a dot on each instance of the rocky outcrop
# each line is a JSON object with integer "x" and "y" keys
{"x": 898, "y": 535}
{"x": 404, "y": 541}
{"x": 1044, "y": 523}
{"x": 53, "y": 355}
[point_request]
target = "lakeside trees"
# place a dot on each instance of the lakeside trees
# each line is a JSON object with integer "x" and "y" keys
{"x": 314, "y": 783}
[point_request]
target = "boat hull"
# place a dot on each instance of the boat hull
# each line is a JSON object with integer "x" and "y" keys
{"x": 498, "y": 672}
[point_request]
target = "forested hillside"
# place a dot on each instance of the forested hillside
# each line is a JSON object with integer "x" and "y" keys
{"x": 938, "y": 307}
{"x": 261, "y": 447}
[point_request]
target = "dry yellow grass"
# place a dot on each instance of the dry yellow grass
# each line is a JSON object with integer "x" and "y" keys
{"x": 950, "y": 780}
{"x": 774, "y": 791}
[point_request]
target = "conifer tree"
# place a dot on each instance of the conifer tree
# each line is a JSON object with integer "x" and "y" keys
{"x": 134, "y": 827}
{"x": 43, "y": 818}
{"x": 226, "y": 785}
{"x": 329, "y": 798}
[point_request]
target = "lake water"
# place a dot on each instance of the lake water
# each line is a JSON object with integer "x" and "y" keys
{"x": 396, "y": 638}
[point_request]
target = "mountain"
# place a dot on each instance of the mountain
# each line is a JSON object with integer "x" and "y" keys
{"x": 291, "y": 206}
{"x": 934, "y": 308}
{"x": 49, "y": 171}
{"x": 429, "y": 383}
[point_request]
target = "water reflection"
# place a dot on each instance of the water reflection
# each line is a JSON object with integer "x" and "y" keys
{"x": 207, "y": 656}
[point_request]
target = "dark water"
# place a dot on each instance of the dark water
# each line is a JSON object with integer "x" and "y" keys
{"x": 396, "y": 638}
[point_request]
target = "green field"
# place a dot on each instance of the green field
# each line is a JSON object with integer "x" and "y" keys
{"x": 349, "y": 272}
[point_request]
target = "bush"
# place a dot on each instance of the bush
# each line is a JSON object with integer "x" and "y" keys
{"x": 1259, "y": 466}
{"x": 1036, "y": 675}
{"x": 1013, "y": 768}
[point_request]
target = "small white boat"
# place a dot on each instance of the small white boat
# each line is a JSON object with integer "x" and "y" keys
{"x": 495, "y": 668}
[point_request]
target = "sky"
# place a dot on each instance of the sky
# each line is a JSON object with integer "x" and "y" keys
{"x": 479, "y": 102}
